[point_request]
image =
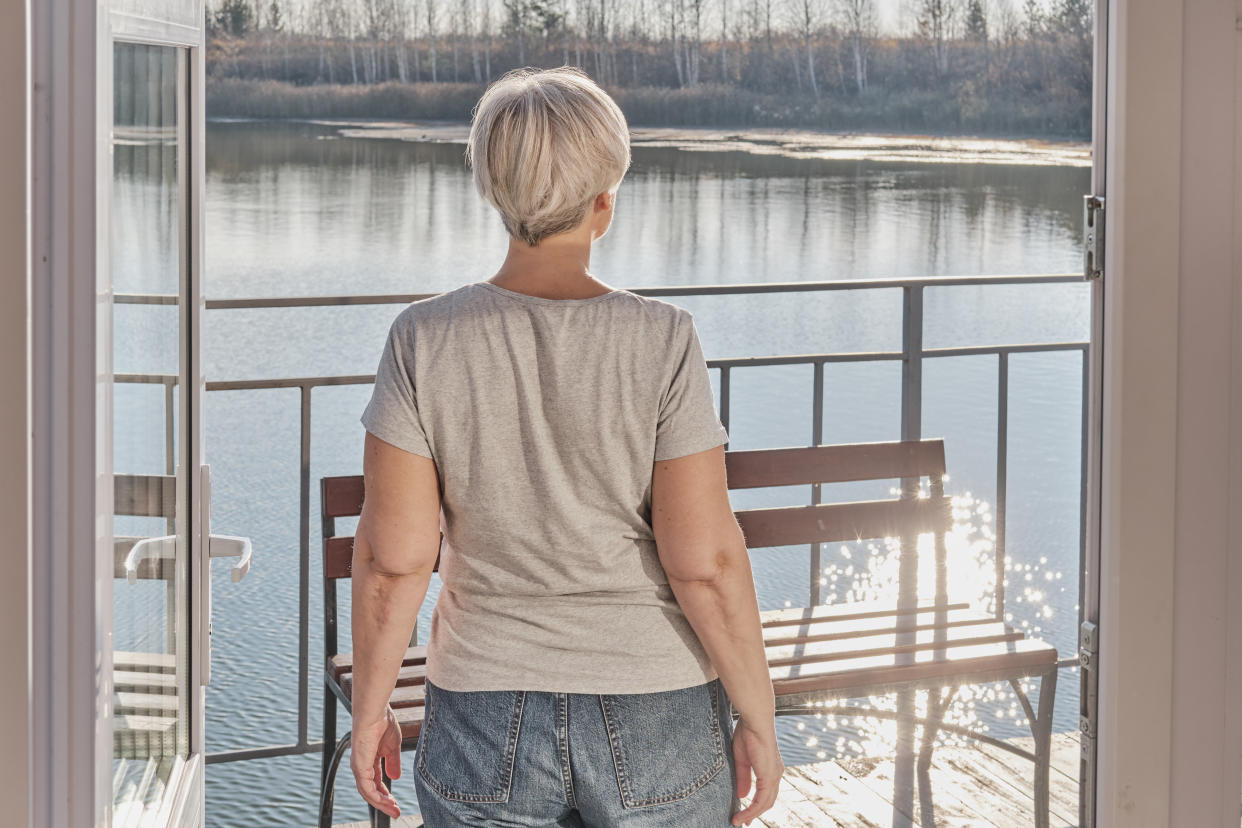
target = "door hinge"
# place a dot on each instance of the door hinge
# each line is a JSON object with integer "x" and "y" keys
{"x": 1093, "y": 236}
{"x": 1088, "y": 698}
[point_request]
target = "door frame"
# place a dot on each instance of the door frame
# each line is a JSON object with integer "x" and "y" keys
{"x": 70, "y": 641}
{"x": 1093, "y": 421}
{"x": 185, "y": 800}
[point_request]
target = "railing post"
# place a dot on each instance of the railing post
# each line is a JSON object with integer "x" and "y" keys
{"x": 304, "y": 572}
{"x": 908, "y": 569}
{"x": 912, "y": 364}
{"x": 1002, "y": 477}
{"x": 817, "y": 438}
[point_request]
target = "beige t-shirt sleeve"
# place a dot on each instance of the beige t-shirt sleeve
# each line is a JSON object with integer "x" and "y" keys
{"x": 688, "y": 422}
{"x": 392, "y": 413}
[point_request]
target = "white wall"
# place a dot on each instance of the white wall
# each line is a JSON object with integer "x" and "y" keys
{"x": 14, "y": 490}
{"x": 1169, "y": 694}
{"x": 1206, "y": 775}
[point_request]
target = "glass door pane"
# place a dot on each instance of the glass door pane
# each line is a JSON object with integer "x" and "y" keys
{"x": 151, "y": 589}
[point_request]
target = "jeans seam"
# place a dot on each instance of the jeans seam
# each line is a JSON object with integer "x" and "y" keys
{"x": 567, "y": 777}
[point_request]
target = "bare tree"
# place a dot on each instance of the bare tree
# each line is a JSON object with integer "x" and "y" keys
{"x": 486, "y": 25}
{"x": 401, "y": 33}
{"x": 858, "y": 19}
{"x": 518, "y": 21}
{"x": 432, "y": 10}
{"x": 807, "y": 17}
{"x": 934, "y": 21}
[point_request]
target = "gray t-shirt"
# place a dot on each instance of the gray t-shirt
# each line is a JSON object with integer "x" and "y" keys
{"x": 544, "y": 418}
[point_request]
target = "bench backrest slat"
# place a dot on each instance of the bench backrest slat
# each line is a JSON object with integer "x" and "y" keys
{"x": 342, "y": 496}
{"x": 145, "y": 495}
{"x": 754, "y": 468}
{"x": 833, "y": 522}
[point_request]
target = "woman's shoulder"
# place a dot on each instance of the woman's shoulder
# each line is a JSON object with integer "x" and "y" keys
{"x": 657, "y": 309}
{"x": 440, "y": 306}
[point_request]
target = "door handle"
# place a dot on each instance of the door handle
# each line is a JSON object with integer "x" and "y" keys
{"x": 161, "y": 548}
{"x": 212, "y": 547}
{"x": 165, "y": 548}
{"x": 231, "y": 546}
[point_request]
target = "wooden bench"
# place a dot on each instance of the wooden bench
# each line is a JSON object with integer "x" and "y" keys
{"x": 916, "y": 642}
{"x": 815, "y": 654}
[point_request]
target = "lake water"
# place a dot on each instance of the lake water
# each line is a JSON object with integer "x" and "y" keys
{"x": 298, "y": 210}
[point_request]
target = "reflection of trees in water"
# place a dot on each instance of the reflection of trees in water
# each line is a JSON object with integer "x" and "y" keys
{"x": 145, "y": 217}
{"x": 684, "y": 216}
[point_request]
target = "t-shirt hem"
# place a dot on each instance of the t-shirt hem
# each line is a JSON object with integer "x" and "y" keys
{"x": 717, "y": 437}
{"x": 395, "y": 438}
{"x": 553, "y": 684}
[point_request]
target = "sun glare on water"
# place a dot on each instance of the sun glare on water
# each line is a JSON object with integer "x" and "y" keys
{"x": 869, "y": 571}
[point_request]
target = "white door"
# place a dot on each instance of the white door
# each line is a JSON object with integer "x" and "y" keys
{"x": 161, "y": 602}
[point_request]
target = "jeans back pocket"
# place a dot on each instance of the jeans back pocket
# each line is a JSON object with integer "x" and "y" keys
{"x": 665, "y": 745}
{"x": 467, "y": 745}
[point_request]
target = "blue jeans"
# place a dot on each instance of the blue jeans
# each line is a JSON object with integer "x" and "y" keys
{"x": 532, "y": 758}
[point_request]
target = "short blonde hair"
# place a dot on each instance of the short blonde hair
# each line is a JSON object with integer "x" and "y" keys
{"x": 543, "y": 143}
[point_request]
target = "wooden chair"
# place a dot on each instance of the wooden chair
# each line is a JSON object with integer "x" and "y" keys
{"x": 342, "y": 497}
{"x": 815, "y": 654}
{"x": 832, "y": 652}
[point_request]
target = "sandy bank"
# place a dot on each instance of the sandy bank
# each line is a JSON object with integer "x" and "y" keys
{"x": 790, "y": 143}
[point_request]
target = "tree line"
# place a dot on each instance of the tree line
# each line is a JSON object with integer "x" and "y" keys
{"x": 955, "y": 65}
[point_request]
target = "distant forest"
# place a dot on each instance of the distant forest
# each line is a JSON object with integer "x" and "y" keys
{"x": 959, "y": 66}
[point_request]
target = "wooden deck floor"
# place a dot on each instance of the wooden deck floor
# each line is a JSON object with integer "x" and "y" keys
{"x": 972, "y": 787}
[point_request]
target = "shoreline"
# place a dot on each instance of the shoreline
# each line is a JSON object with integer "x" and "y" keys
{"x": 784, "y": 142}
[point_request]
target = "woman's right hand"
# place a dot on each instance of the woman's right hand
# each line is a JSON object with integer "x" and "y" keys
{"x": 755, "y": 749}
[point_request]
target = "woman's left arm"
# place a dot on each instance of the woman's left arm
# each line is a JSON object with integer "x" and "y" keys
{"x": 395, "y": 549}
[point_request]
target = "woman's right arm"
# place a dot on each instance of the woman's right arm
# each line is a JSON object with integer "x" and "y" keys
{"x": 704, "y": 556}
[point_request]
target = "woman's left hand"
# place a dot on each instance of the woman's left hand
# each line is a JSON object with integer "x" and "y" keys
{"x": 375, "y": 742}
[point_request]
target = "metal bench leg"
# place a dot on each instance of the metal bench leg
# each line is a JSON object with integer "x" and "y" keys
{"x": 327, "y": 793}
{"x": 1041, "y": 729}
{"x": 329, "y": 735}
{"x": 937, "y": 705}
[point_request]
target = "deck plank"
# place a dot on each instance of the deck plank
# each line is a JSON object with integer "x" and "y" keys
{"x": 1014, "y": 785}
{"x": 950, "y": 810}
{"x": 973, "y": 786}
{"x": 795, "y": 809}
{"x": 1064, "y": 760}
{"x": 839, "y": 795}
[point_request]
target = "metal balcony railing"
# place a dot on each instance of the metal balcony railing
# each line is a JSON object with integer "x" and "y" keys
{"x": 911, "y": 357}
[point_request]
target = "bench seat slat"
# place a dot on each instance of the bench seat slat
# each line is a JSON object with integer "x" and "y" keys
{"x": 890, "y": 643}
{"x": 154, "y": 662}
{"x": 832, "y": 629}
{"x": 143, "y": 682}
{"x": 128, "y": 702}
{"x": 882, "y": 670}
{"x": 342, "y": 663}
{"x": 403, "y": 695}
{"x": 855, "y": 609}
{"x": 411, "y": 721}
